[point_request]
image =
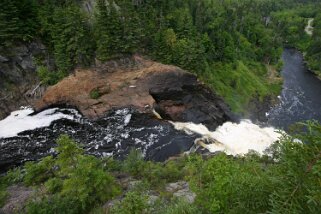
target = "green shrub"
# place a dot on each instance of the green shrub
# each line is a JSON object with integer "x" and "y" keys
{"x": 14, "y": 176}
{"x": 94, "y": 94}
{"x": 286, "y": 181}
{"x": 177, "y": 206}
{"x": 55, "y": 204}
{"x": 133, "y": 203}
{"x": 156, "y": 174}
{"x": 134, "y": 163}
{"x": 3, "y": 191}
{"x": 50, "y": 77}
{"x": 74, "y": 182}
{"x": 37, "y": 173}
{"x": 112, "y": 165}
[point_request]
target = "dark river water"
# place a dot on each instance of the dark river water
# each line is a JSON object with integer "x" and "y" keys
{"x": 25, "y": 135}
{"x": 300, "y": 99}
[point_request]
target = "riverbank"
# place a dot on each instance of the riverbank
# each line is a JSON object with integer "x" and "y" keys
{"x": 299, "y": 100}
{"x": 76, "y": 183}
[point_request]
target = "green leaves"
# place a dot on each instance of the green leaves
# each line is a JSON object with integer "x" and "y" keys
{"x": 117, "y": 29}
{"x": 75, "y": 182}
{"x": 289, "y": 184}
{"x": 286, "y": 180}
{"x": 18, "y": 21}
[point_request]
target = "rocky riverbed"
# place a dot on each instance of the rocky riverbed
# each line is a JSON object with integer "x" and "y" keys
{"x": 122, "y": 117}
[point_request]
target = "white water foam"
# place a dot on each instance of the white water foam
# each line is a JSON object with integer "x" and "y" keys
{"x": 19, "y": 121}
{"x": 235, "y": 139}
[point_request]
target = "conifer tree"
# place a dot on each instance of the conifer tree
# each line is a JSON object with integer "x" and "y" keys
{"x": 71, "y": 38}
{"x": 9, "y": 21}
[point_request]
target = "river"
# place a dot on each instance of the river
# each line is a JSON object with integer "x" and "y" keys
{"x": 300, "y": 99}
{"x": 25, "y": 135}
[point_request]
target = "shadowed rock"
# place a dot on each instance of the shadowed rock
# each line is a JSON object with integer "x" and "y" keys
{"x": 143, "y": 84}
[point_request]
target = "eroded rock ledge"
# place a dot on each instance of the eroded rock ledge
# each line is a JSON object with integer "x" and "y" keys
{"x": 143, "y": 84}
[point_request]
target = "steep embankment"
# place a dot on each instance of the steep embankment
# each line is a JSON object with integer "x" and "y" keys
{"x": 117, "y": 100}
{"x": 145, "y": 85}
{"x": 19, "y": 84}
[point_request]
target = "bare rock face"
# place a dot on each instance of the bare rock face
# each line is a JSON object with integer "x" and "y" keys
{"x": 143, "y": 84}
{"x": 18, "y": 76}
{"x": 179, "y": 96}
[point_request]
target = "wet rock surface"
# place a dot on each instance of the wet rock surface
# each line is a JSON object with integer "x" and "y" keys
{"x": 179, "y": 96}
{"x": 115, "y": 134}
{"x": 121, "y": 116}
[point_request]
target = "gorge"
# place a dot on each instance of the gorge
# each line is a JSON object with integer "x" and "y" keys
{"x": 28, "y": 135}
{"x": 160, "y": 106}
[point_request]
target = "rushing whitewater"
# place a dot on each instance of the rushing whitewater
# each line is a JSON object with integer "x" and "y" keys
{"x": 26, "y": 136}
{"x": 235, "y": 139}
{"x": 22, "y": 120}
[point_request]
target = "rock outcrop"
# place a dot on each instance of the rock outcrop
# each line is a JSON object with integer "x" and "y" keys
{"x": 18, "y": 76}
{"x": 17, "y": 199}
{"x": 143, "y": 84}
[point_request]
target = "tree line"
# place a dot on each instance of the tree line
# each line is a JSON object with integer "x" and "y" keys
{"x": 208, "y": 37}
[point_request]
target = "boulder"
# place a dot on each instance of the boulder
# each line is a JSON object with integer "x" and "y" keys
{"x": 181, "y": 189}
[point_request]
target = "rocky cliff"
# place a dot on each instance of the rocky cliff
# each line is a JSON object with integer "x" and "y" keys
{"x": 18, "y": 78}
{"x": 143, "y": 84}
{"x": 117, "y": 101}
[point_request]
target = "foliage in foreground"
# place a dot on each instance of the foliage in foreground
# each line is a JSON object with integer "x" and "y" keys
{"x": 73, "y": 182}
{"x": 287, "y": 180}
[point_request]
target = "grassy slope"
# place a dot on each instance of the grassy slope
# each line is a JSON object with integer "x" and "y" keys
{"x": 238, "y": 83}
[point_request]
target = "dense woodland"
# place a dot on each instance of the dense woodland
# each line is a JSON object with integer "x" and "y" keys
{"x": 232, "y": 45}
{"x": 229, "y": 44}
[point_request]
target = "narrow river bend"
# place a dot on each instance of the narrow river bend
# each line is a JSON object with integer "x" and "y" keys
{"x": 300, "y": 99}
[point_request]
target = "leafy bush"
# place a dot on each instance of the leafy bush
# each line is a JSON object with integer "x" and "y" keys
{"x": 156, "y": 174}
{"x": 3, "y": 191}
{"x": 94, "y": 94}
{"x": 134, "y": 163}
{"x": 287, "y": 181}
{"x": 50, "y": 77}
{"x": 74, "y": 182}
{"x": 176, "y": 206}
{"x": 134, "y": 203}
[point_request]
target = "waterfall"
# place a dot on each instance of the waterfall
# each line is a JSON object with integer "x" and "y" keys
{"x": 231, "y": 138}
{"x": 23, "y": 120}
{"x": 234, "y": 138}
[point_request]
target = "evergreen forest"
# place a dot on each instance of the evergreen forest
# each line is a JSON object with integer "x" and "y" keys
{"x": 233, "y": 46}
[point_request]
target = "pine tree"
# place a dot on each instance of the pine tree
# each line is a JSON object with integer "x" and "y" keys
{"x": 72, "y": 40}
{"x": 9, "y": 22}
{"x": 102, "y": 31}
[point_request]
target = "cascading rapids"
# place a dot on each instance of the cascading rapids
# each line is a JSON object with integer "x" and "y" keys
{"x": 233, "y": 138}
{"x": 22, "y": 120}
{"x": 25, "y": 135}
